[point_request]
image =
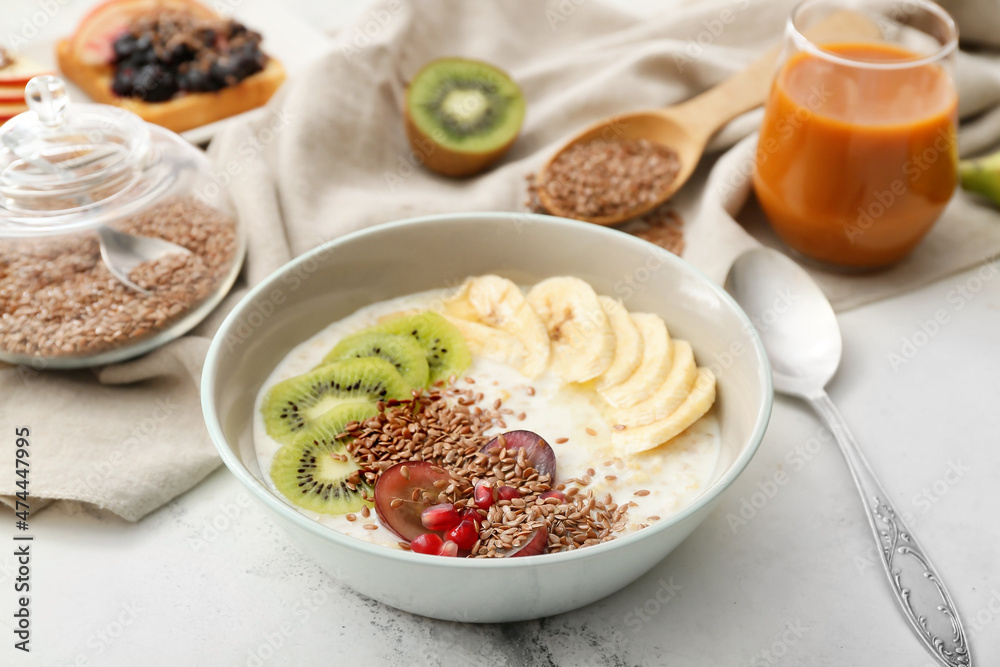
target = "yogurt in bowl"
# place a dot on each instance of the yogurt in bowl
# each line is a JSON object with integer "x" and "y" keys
{"x": 619, "y": 405}
{"x": 409, "y": 257}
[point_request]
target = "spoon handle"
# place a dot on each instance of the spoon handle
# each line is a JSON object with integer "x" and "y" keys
{"x": 738, "y": 94}
{"x": 919, "y": 590}
{"x": 748, "y": 89}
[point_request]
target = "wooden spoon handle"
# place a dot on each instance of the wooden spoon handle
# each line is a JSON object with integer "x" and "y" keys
{"x": 749, "y": 88}
{"x": 739, "y": 93}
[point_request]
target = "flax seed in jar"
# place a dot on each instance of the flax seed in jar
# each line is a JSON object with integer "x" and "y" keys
{"x": 83, "y": 189}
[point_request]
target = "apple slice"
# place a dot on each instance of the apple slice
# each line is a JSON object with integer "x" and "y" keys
{"x": 98, "y": 30}
{"x": 9, "y": 110}
{"x": 19, "y": 73}
{"x": 11, "y": 94}
{"x": 398, "y": 484}
{"x": 537, "y": 452}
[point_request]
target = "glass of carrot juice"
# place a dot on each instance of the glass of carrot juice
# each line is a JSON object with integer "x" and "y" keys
{"x": 857, "y": 154}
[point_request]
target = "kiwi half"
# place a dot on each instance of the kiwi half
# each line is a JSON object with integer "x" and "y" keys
{"x": 403, "y": 352}
{"x": 462, "y": 115}
{"x": 295, "y": 404}
{"x": 314, "y": 470}
{"x": 443, "y": 344}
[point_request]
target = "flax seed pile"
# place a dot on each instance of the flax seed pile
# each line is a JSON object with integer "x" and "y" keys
{"x": 57, "y": 298}
{"x": 661, "y": 226}
{"x": 446, "y": 426}
{"x": 609, "y": 178}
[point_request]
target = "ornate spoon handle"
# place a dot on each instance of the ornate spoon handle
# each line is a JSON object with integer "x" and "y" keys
{"x": 919, "y": 590}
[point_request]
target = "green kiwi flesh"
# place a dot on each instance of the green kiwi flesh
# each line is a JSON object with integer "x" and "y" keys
{"x": 293, "y": 405}
{"x": 403, "y": 352}
{"x": 314, "y": 471}
{"x": 443, "y": 344}
{"x": 466, "y": 105}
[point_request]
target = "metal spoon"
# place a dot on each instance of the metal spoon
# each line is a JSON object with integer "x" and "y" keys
{"x": 686, "y": 127}
{"x": 123, "y": 252}
{"x": 802, "y": 339}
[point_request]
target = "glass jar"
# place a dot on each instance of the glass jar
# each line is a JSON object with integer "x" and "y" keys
{"x": 89, "y": 194}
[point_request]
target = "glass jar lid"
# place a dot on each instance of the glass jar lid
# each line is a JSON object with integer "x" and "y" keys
{"x": 65, "y": 167}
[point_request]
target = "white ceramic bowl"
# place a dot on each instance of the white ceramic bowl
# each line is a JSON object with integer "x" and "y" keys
{"x": 400, "y": 258}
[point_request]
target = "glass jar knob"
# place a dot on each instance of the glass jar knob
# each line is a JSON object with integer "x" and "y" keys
{"x": 47, "y": 97}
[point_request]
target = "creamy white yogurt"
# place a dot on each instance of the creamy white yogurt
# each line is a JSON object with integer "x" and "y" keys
{"x": 674, "y": 474}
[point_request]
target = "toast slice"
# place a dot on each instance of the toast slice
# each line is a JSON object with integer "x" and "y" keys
{"x": 183, "y": 111}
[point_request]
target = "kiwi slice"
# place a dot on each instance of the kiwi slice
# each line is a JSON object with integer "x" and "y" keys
{"x": 403, "y": 352}
{"x": 314, "y": 470}
{"x": 293, "y": 405}
{"x": 443, "y": 344}
{"x": 462, "y": 115}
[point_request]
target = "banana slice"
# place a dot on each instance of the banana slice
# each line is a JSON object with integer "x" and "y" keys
{"x": 628, "y": 344}
{"x": 671, "y": 393}
{"x": 583, "y": 344}
{"x": 652, "y": 371}
{"x": 634, "y": 439}
{"x": 491, "y": 343}
{"x": 496, "y": 302}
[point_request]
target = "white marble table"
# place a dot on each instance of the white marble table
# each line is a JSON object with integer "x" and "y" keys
{"x": 211, "y": 580}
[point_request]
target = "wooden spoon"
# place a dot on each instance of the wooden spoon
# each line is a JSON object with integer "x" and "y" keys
{"x": 687, "y": 127}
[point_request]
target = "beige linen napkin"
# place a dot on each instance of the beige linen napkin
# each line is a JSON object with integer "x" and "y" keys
{"x": 127, "y": 438}
{"x": 330, "y": 157}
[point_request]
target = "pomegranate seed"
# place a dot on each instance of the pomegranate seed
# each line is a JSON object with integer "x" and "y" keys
{"x": 472, "y": 515}
{"x": 464, "y": 535}
{"x": 428, "y": 543}
{"x": 440, "y": 517}
{"x": 508, "y": 493}
{"x": 558, "y": 495}
{"x": 482, "y": 495}
{"x": 449, "y": 549}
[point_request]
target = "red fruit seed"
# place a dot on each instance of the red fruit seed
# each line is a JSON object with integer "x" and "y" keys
{"x": 508, "y": 493}
{"x": 428, "y": 543}
{"x": 441, "y": 517}
{"x": 482, "y": 495}
{"x": 449, "y": 549}
{"x": 472, "y": 515}
{"x": 558, "y": 495}
{"x": 464, "y": 535}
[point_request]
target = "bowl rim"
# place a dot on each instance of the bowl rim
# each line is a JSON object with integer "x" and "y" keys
{"x": 283, "y": 509}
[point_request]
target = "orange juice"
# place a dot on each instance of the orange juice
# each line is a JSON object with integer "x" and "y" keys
{"x": 855, "y": 163}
